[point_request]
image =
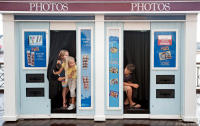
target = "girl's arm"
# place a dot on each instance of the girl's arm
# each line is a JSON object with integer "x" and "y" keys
{"x": 61, "y": 78}
{"x": 58, "y": 72}
{"x": 73, "y": 73}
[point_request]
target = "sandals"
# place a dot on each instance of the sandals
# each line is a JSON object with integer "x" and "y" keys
{"x": 135, "y": 106}
{"x": 126, "y": 104}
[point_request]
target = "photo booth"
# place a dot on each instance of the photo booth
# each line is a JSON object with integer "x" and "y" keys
{"x": 59, "y": 40}
{"x": 159, "y": 38}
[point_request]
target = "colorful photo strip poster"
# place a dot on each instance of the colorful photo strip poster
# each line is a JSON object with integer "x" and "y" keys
{"x": 165, "y": 49}
{"x": 85, "y": 67}
{"x": 35, "y": 49}
{"x": 113, "y": 68}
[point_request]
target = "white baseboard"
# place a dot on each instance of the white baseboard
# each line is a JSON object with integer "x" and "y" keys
{"x": 62, "y": 116}
{"x": 190, "y": 119}
{"x": 34, "y": 116}
{"x": 165, "y": 117}
{"x": 85, "y": 117}
{"x": 10, "y": 118}
{"x": 69, "y": 116}
{"x": 99, "y": 118}
{"x": 38, "y": 116}
{"x": 114, "y": 116}
{"x": 136, "y": 116}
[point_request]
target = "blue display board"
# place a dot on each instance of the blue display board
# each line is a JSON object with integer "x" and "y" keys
{"x": 165, "y": 49}
{"x": 85, "y": 67}
{"x": 113, "y": 71}
{"x": 35, "y": 49}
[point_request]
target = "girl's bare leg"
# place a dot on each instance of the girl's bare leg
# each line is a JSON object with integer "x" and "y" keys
{"x": 73, "y": 100}
{"x": 64, "y": 93}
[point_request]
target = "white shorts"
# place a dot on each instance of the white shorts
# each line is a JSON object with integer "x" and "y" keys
{"x": 126, "y": 88}
{"x": 72, "y": 87}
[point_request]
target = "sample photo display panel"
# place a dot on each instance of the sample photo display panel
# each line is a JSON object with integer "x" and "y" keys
{"x": 165, "y": 49}
{"x": 113, "y": 38}
{"x": 85, "y": 67}
{"x": 35, "y": 49}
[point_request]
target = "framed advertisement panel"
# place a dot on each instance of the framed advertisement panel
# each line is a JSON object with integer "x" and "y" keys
{"x": 85, "y": 78}
{"x": 35, "y": 51}
{"x": 113, "y": 68}
{"x": 165, "y": 49}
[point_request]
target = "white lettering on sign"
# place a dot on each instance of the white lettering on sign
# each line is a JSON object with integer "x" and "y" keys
{"x": 49, "y": 6}
{"x": 157, "y": 6}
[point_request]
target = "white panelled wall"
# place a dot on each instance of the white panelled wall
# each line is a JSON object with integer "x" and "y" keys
{"x": 189, "y": 106}
{"x": 10, "y": 73}
{"x": 99, "y": 68}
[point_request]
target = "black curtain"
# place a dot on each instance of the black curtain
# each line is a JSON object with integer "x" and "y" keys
{"x": 137, "y": 51}
{"x": 59, "y": 40}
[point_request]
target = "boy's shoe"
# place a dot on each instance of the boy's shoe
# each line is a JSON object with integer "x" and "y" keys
{"x": 72, "y": 106}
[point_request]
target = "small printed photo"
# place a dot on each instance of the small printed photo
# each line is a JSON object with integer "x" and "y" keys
{"x": 168, "y": 55}
{"x": 165, "y": 55}
{"x": 33, "y": 58}
{"x": 86, "y": 85}
{"x": 113, "y": 49}
{"x": 114, "y": 81}
{"x": 85, "y": 59}
{"x": 162, "y": 56}
{"x": 28, "y": 52}
{"x": 114, "y": 94}
{"x": 85, "y": 82}
{"x": 165, "y": 48}
{"x": 113, "y": 70}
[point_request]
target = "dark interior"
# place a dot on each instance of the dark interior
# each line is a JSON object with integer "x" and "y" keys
{"x": 59, "y": 40}
{"x": 137, "y": 52}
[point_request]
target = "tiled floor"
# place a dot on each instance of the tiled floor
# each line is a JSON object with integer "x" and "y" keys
{"x": 74, "y": 122}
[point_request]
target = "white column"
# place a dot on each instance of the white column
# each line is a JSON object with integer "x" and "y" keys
{"x": 189, "y": 106}
{"x": 99, "y": 68}
{"x": 9, "y": 76}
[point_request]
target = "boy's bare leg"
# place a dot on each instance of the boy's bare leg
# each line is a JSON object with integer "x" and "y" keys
{"x": 129, "y": 95}
{"x": 126, "y": 102}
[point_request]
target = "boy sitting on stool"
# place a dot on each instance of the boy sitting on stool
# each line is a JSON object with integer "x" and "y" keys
{"x": 128, "y": 85}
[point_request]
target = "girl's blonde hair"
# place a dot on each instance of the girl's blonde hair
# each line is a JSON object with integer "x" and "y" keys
{"x": 70, "y": 58}
{"x": 66, "y": 61}
{"x": 62, "y": 53}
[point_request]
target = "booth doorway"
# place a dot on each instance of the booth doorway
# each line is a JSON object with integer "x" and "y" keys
{"x": 137, "y": 52}
{"x": 59, "y": 40}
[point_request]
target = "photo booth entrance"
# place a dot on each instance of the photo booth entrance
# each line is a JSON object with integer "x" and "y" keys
{"x": 137, "y": 52}
{"x": 59, "y": 40}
